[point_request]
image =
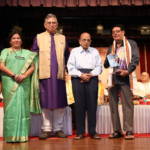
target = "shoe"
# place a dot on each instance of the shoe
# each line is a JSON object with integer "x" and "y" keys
{"x": 116, "y": 134}
{"x": 79, "y": 137}
{"x": 60, "y": 134}
{"x": 129, "y": 135}
{"x": 45, "y": 135}
{"x": 95, "y": 136}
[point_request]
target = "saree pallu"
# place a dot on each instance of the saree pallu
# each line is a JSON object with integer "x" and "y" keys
{"x": 17, "y": 95}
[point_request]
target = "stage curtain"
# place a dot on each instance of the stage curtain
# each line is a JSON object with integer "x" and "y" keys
{"x": 148, "y": 56}
{"x": 73, "y": 3}
{"x": 144, "y": 57}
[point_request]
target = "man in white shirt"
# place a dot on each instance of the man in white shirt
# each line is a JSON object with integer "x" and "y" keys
{"x": 84, "y": 65}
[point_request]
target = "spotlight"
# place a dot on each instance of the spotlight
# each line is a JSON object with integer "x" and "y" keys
{"x": 99, "y": 29}
{"x": 145, "y": 30}
{"x": 60, "y": 29}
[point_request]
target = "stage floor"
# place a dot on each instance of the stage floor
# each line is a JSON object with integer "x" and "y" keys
{"x": 84, "y": 144}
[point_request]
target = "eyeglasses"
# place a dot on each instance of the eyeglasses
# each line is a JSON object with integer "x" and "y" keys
{"x": 116, "y": 31}
{"x": 51, "y": 23}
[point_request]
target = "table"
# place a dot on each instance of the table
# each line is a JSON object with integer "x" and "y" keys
{"x": 141, "y": 119}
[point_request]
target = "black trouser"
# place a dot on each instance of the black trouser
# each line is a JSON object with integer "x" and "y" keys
{"x": 85, "y": 94}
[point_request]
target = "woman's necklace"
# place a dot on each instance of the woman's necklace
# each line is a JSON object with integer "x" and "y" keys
{"x": 20, "y": 55}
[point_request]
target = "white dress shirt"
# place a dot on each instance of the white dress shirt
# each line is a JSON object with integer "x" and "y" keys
{"x": 84, "y": 59}
{"x": 142, "y": 89}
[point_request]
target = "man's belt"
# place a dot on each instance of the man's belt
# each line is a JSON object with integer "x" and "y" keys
{"x": 85, "y": 70}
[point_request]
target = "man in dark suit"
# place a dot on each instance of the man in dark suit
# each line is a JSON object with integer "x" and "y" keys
{"x": 122, "y": 75}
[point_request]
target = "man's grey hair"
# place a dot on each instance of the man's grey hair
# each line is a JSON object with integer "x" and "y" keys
{"x": 50, "y": 15}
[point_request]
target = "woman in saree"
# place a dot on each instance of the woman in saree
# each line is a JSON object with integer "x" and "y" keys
{"x": 17, "y": 66}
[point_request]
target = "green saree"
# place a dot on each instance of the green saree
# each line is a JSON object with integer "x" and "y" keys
{"x": 19, "y": 98}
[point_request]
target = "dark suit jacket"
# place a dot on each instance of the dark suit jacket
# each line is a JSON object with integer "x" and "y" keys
{"x": 131, "y": 67}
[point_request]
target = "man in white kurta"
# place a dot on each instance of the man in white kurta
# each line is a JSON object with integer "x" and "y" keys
{"x": 142, "y": 89}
